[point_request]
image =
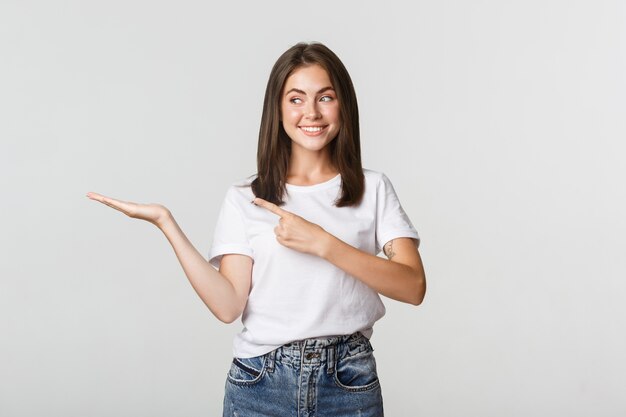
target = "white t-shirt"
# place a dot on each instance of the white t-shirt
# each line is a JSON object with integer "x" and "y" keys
{"x": 293, "y": 295}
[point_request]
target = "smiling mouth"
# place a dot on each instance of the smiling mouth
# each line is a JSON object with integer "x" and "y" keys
{"x": 312, "y": 130}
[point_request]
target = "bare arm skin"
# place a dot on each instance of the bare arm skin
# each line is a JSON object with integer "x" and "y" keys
{"x": 400, "y": 277}
{"x": 224, "y": 292}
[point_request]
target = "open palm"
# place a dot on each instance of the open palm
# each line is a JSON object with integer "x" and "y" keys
{"x": 154, "y": 213}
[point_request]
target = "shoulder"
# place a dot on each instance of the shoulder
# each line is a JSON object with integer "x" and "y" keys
{"x": 371, "y": 175}
{"x": 374, "y": 178}
{"x": 240, "y": 191}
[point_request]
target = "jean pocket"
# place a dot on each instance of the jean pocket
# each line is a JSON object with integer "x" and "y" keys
{"x": 247, "y": 371}
{"x": 357, "y": 372}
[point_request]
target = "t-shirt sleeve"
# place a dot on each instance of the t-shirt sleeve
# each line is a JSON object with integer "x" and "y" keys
{"x": 230, "y": 233}
{"x": 391, "y": 220}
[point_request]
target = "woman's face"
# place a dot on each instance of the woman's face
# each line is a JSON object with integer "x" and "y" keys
{"x": 309, "y": 108}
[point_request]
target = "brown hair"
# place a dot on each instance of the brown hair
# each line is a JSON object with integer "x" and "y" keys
{"x": 274, "y": 147}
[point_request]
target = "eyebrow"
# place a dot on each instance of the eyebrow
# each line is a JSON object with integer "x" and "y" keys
{"x": 302, "y": 92}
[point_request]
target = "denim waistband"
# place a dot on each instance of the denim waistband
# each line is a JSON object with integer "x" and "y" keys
{"x": 318, "y": 351}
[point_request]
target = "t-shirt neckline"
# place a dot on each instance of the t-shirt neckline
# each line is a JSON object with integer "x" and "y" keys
{"x": 314, "y": 187}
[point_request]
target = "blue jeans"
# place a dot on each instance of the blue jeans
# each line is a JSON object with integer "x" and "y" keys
{"x": 317, "y": 377}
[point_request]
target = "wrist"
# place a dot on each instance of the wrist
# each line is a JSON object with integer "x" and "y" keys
{"x": 164, "y": 220}
{"x": 327, "y": 242}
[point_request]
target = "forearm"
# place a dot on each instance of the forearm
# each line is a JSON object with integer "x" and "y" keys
{"x": 213, "y": 288}
{"x": 391, "y": 279}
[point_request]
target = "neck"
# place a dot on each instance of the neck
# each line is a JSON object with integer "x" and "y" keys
{"x": 310, "y": 165}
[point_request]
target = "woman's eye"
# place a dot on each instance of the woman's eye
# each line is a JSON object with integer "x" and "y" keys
{"x": 294, "y": 99}
{"x": 328, "y": 97}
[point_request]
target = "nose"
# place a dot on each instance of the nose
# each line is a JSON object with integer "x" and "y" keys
{"x": 311, "y": 111}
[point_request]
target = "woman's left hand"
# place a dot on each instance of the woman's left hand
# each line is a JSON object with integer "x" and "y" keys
{"x": 295, "y": 232}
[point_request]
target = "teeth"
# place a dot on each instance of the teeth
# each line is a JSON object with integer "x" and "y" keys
{"x": 311, "y": 129}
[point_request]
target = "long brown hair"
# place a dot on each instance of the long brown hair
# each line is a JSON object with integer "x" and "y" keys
{"x": 274, "y": 147}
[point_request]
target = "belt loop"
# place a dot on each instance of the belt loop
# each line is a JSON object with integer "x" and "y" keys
{"x": 270, "y": 359}
{"x": 330, "y": 359}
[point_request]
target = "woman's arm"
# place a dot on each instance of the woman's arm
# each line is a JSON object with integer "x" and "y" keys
{"x": 400, "y": 277}
{"x": 225, "y": 292}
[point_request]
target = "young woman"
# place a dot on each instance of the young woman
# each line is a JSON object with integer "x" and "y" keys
{"x": 300, "y": 264}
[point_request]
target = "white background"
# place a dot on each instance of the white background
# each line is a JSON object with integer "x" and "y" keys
{"x": 500, "y": 123}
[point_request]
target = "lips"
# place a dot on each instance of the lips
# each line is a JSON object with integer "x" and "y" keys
{"x": 312, "y": 130}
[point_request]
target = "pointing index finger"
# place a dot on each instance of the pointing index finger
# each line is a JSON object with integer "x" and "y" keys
{"x": 270, "y": 206}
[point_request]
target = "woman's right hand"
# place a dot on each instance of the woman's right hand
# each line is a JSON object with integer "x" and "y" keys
{"x": 154, "y": 213}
